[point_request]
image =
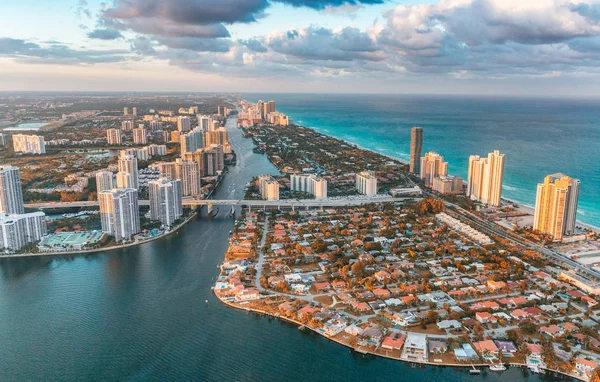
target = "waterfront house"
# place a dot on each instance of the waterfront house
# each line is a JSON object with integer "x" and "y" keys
{"x": 535, "y": 357}
{"x": 306, "y": 311}
{"x": 584, "y": 366}
{"x": 465, "y": 353}
{"x": 438, "y": 346}
{"x": 415, "y": 348}
{"x": 249, "y": 294}
{"x": 506, "y": 346}
{"x": 372, "y": 335}
{"x": 353, "y": 330}
{"x": 393, "y": 341}
{"x": 486, "y": 348}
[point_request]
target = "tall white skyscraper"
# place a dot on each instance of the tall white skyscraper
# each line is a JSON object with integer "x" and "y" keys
{"x": 124, "y": 180}
{"x": 484, "y": 182}
{"x": 129, "y": 164}
{"x": 119, "y": 213}
{"x": 204, "y": 122}
{"x": 29, "y": 144}
{"x": 269, "y": 187}
{"x": 191, "y": 141}
{"x": 11, "y": 194}
{"x": 113, "y": 136}
{"x": 165, "y": 200}
{"x": 104, "y": 181}
{"x": 556, "y": 205}
{"x": 183, "y": 124}
{"x": 416, "y": 149}
{"x": 432, "y": 166}
{"x": 366, "y": 183}
{"x": 190, "y": 175}
{"x": 140, "y": 136}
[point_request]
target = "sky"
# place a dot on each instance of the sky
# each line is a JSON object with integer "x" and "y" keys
{"x": 504, "y": 47}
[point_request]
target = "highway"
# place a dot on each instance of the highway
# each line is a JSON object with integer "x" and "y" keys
{"x": 295, "y": 203}
{"x": 492, "y": 229}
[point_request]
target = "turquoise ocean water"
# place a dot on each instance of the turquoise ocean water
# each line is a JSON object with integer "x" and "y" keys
{"x": 538, "y": 136}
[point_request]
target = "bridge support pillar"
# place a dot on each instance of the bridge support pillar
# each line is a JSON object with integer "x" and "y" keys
{"x": 209, "y": 208}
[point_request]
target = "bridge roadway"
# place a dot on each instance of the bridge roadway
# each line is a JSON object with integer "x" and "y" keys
{"x": 295, "y": 203}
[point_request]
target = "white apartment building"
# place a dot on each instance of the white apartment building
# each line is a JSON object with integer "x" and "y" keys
{"x": 140, "y": 136}
{"x": 366, "y": 183}
{"x": 165, "y": 200}
{"x": 104, "y": 181}
{"x": 29, "y": 144}
{"x": 113, "y": 136}
{"x": 119, "y": 213}
{"x": 11, "y": 194}
{"x": 19, "y": 230}
{"x": 310, "y": 184}
{"x": 129, "y": 164}
{"x": 484, "y": 181}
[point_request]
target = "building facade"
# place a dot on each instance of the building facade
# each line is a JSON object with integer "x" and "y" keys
{"x": 29, "y": 144}
{"x": 11, "y": 194}
{"x": 366, "y": 183}
{"x": 447, "y": 185}
{"x": 416, "y": 149}
{"x": 104, "y": 181}
{"x": 311, "y": 184}
{"x": 113, "y": 136}
{"x": 484, "y": 182}
{"x": 140, "y": 136}
{"x": 165, "y": 200}
{"x": 556, "y": 206}
{"x": 432, "y": 166}
{"x": 183, "y": 124}
{"x": 129, "y": 164}
{"x": 120, "y": 213}
{"x": 19, "y": 230}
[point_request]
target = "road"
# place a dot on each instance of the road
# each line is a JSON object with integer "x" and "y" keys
{"x": 295, "y": 203}
{"x": 493, "y": 229}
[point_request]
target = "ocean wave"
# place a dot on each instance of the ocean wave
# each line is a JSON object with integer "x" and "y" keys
{"x": 509, "y": 188}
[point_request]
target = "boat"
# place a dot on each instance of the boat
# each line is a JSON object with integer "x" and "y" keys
{"x": 301, "y": 328}
{"x": 497, "y": 367}
{"x": 474, "y": 371}
{"x": 206, "y": 301}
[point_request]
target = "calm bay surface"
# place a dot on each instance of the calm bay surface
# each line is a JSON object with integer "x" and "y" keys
{"x": 140, "y": 314}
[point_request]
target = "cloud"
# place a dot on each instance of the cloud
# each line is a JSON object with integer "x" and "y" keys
{"x": 56, "y": 53}
{"x": 254, "y": 45}
{"x": 195, "y": 44}
{"x": 328, "y": 4}
{"x": 316, "y": 43}
{"x": 105, "y": 34}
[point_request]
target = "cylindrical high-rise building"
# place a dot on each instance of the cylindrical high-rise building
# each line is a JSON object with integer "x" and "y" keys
{"x": 416, "y": 149}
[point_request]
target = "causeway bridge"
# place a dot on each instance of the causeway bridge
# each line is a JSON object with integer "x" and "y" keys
{"x": 280, "y": 204}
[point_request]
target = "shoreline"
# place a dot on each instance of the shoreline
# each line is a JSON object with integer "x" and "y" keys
{"x": 403, "y": 161}
{"x": 370, "y": 352}
{"x": 106, "y": 249}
